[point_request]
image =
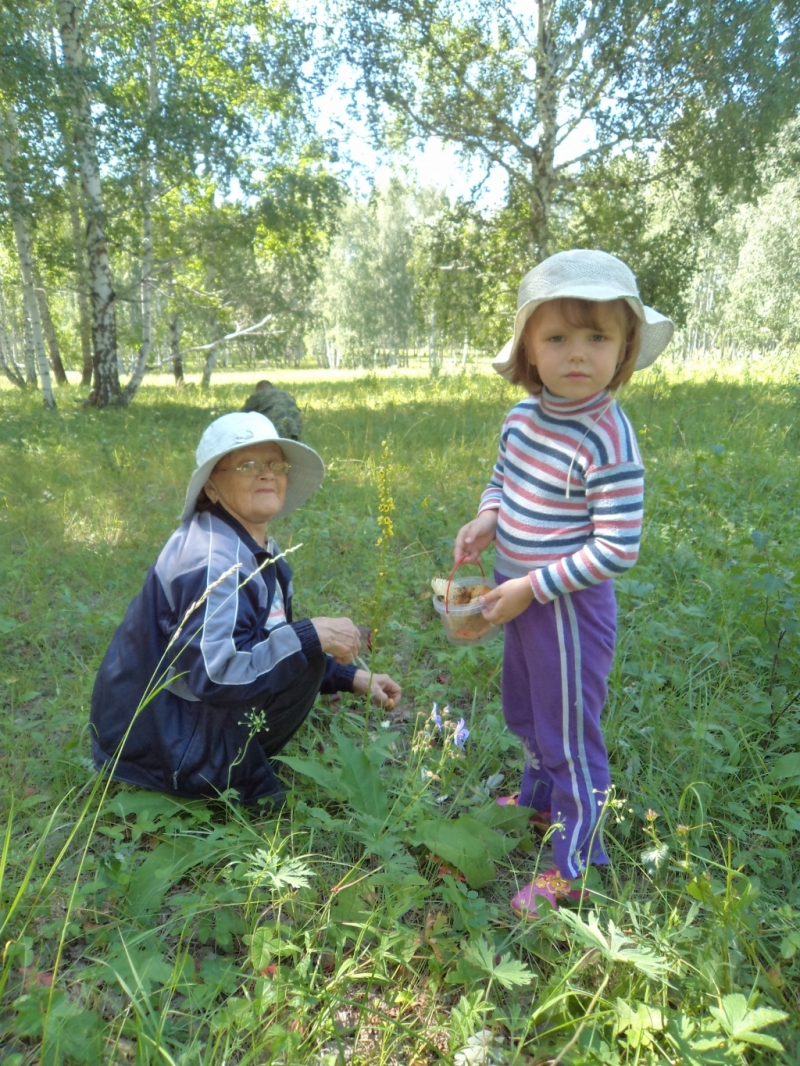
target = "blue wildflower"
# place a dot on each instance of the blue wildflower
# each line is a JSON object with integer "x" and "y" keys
{"x": 461, "y": 733}
{"x": 436, "y": 718}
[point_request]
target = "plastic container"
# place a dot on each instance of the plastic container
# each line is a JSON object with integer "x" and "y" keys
{"x": 465, "y": 625}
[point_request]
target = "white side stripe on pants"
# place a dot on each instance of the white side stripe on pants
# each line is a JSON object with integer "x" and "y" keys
{"x": 587, "y": 776}
{"x": 562, "y": 654}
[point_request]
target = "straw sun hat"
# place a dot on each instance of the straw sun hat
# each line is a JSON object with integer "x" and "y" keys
{"x": 238, "y": 430}
{"x": 586, "y": 275}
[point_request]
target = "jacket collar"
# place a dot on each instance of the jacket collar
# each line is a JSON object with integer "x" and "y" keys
{"x": 219, "y": 512}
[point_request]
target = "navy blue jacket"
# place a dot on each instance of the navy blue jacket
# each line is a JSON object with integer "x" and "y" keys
{"x": 192, "y": 657}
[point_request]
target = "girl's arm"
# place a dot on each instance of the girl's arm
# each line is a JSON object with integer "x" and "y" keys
{"x": 478, "y": 534}
{"x": 614, "y": 496}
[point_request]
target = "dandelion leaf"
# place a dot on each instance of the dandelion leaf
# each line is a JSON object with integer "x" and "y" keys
{"x": 365, "y": 790}
{"x": 509, "y": 818}
{"x": 467, "y": 844}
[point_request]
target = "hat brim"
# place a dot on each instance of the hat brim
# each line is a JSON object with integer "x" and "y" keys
{"x": 656, "y": 329}
{"x": 305, "y": 477}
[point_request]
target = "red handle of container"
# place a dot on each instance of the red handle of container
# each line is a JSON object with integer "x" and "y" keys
{"x": 460, "y": 562}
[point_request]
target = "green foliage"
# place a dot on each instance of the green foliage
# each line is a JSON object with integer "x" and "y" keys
{"x": 509, "y": 87}
{"x": 141, "y": 928}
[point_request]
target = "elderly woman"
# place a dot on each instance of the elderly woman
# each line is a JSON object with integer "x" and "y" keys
{"x": 209, "y": 674}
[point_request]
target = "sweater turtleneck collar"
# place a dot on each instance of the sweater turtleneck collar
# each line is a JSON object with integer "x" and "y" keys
{"x": 562, "y": 407}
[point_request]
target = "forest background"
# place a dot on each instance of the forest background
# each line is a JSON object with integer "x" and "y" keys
{"x": 179, "y": 182}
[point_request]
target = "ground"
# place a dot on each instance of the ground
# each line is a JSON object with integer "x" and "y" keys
{"x": 139, "y": 929}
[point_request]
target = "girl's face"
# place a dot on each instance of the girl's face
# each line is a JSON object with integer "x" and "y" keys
{"x": 575, "y": 362}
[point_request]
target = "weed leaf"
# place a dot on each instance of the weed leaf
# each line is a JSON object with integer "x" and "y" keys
{"x": 742, "y": 1023}
{"x": 509, "y": 972}
{"x": 614, "y": 946}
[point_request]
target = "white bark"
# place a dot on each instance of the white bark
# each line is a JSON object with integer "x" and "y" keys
{"x": 9, "y": 153}
{"x": 549, "y": 83}
{"x": 149, "y": 183}
{"x": 56, "y": 365}
{"x": 80, "y": 280}
{"x": 211, "y": 358}
{"x": 106, "y": 387}
{"x": 7, "y": 362}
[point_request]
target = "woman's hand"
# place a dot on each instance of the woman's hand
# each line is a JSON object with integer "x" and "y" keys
{"x": 384, "y": 690}
{"x": 338, "y": 637}
{"x": 475, "y": 536}
{"x": 508, "y": 600}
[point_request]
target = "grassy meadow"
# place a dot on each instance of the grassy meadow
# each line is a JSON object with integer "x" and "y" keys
{"x": 141, "y": 929}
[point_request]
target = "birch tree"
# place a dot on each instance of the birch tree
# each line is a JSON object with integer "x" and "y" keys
{"x": 9, "y": 159}
{"x": 149, "y": 186}
{"x": 106, "y": 386}
{"x": 540, "y": 90}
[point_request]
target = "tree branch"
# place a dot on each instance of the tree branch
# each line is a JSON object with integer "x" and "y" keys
{"x": 228, "y": 336}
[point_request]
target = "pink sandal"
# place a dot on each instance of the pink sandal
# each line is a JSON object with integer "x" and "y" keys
{"x": 549, "y": 885}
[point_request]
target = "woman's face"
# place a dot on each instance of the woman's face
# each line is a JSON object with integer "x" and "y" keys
{"x": 252, "y": 500}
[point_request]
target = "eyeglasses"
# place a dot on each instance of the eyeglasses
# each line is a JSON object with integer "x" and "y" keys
{"x": 255, "y": 469}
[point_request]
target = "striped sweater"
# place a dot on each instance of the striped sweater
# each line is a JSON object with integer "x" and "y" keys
{"x": 568, "y": 485}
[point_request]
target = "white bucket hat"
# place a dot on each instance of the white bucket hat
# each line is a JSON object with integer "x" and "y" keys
{"x": 586, "y": 275}
{"x": 237, "y": 430}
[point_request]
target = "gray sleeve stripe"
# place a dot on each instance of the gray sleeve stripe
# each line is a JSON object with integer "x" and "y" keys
{"x": 224, "y": 664}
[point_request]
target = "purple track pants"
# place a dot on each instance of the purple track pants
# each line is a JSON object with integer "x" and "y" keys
{"x": 556, "y": 659}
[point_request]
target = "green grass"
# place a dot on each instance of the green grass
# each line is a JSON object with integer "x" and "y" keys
{"x": 137, "y": 929}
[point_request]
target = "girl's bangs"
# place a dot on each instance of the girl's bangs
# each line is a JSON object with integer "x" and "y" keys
{"x": 590, "y": 314}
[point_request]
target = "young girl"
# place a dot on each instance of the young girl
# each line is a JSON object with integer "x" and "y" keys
{"x": 564, "y": 506}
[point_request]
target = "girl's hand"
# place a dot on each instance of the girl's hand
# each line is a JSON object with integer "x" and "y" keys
{"x": 508, "y": 600}
{"x": 383, "y": 690}
{"x": 475, "y": 536}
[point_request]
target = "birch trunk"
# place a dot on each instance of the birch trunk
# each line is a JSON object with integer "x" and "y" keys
{"x": 9, "y": 153}
{"x": 175, "y": 330}
{"x": 137, "y": 373}
{"x": 49, "y": 329}
{"x": 7, "y": 362}
{"x": 547, "y": 94}
{"x": 149, "y": 184}
{"x": 211, "y": 358}
{"x": 28, "y": 349}
{"x": 106, "y": 388}
{"x": 175, "y": 326}
{"x": 81, "y": 283}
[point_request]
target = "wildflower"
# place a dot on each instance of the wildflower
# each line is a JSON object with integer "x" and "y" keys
{"x": 385, "y": 501}
{"x": 436, "y": 718}
{"x": 650, "y": 815}
{"x": 428, "y": 775}
{"x": 460, "y": 733}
